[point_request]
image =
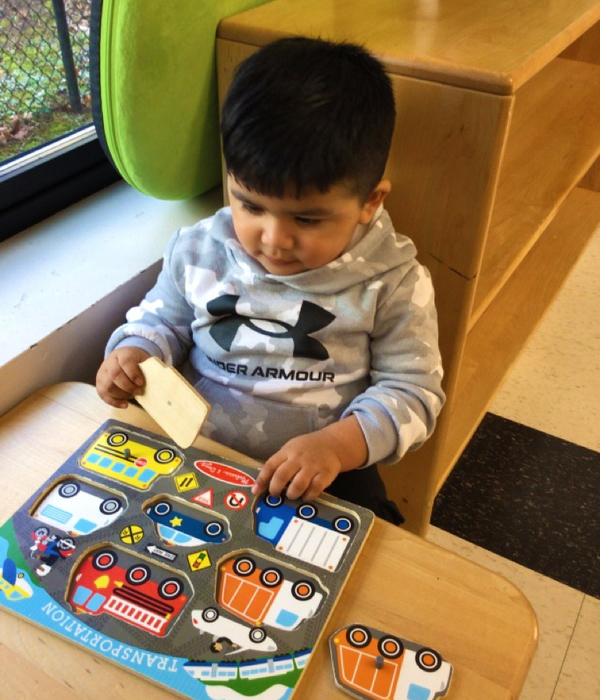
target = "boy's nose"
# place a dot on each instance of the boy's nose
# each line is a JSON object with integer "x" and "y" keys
{"x": 276, "y": 235}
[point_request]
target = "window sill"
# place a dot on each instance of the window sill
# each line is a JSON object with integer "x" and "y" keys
{"x": 67, "y": 281}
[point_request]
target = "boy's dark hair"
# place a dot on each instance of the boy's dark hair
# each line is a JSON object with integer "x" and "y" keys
{"x": 308, "y": 113}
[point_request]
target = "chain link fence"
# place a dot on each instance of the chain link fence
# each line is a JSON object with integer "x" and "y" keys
{"x": 44, "y": 71}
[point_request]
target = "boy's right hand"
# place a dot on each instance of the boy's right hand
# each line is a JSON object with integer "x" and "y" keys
{"x": 120, "y": 377}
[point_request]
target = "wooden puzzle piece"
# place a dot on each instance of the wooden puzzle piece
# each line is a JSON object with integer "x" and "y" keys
{"x": 48, "y": 548}
{"x": 238, "y": 637}
{"x": 122, "y": 584}
{"x": 270, "y": 668}
{"x": 316, "y": 533}
{"x": 173, "y": 402}
{"x": 261, "y": 591}
{"x": 15, "y": 584}
{"x": 371, "y": 664}
{"x": 179, "y": 523}
{"x": 51, "y": 550}
{"x": 125, "y": 456}
{"x": 79, "y": 507}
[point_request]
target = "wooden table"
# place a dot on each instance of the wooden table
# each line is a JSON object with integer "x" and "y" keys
{"x": 478, "y": 621}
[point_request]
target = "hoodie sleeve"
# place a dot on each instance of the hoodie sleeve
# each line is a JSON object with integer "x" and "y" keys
{"x": 161, "y": 323}
{"x": 398, "y": 411}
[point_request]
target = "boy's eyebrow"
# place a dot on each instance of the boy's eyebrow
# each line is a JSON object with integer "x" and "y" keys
{"x": 315, "y": 211}
{"x": 242, "y": 197}
{"x": 312, "y": 211}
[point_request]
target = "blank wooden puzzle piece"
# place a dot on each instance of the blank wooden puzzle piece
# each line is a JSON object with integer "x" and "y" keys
{"x": 173, "y": 402}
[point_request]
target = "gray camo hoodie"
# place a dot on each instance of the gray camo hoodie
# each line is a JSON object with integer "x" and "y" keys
{"x": 278, "y": 356}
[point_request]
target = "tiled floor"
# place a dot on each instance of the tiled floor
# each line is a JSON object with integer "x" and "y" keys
{"x": 555, "y": 387}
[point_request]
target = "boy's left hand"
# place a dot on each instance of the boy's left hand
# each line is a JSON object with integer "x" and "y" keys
{"x": 307, "y": 464}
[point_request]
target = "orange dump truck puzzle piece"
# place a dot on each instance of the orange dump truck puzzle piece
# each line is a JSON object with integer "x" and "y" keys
{"x": 375, "y": 665}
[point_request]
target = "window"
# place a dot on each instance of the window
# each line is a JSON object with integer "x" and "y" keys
{"x": 50, "y": 156}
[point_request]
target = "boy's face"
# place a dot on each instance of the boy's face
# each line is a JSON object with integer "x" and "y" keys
{"x": 287, "y": 235}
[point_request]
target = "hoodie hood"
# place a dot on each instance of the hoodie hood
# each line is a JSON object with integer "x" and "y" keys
{"x": 374, "y": 249}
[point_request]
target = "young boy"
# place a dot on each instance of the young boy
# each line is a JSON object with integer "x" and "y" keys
{"x": 298, "y": 313}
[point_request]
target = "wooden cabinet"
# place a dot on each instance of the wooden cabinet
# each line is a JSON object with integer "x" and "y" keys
{"x": 494, "y": 166}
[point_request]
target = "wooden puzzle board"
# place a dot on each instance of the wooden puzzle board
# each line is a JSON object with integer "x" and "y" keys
{"x": 159, "y": 559}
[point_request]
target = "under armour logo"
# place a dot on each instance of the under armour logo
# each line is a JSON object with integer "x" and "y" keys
{"x": 310, "y": 319}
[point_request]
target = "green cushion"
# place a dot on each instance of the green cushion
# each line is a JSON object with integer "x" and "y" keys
{"x": 154, "y": 88}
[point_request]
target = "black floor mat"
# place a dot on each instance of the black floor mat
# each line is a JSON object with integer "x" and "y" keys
{"x": 530, "y": 497}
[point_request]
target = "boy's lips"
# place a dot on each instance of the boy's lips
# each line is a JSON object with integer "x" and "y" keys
{"x": 278, "y": 261}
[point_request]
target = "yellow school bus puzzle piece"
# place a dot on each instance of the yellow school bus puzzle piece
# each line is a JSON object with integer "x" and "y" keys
{"x": 130, "y": 458}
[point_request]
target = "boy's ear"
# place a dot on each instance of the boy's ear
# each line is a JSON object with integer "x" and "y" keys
{"x": 376, "y": 197}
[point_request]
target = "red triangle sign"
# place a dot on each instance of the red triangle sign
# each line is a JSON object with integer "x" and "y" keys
{"x": 204, "y": 498}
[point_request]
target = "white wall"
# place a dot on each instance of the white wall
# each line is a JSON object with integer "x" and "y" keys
{"x": 66, "y": 283}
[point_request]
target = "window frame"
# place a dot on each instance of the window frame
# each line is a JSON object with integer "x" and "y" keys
{"x": 41, "y": 182}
